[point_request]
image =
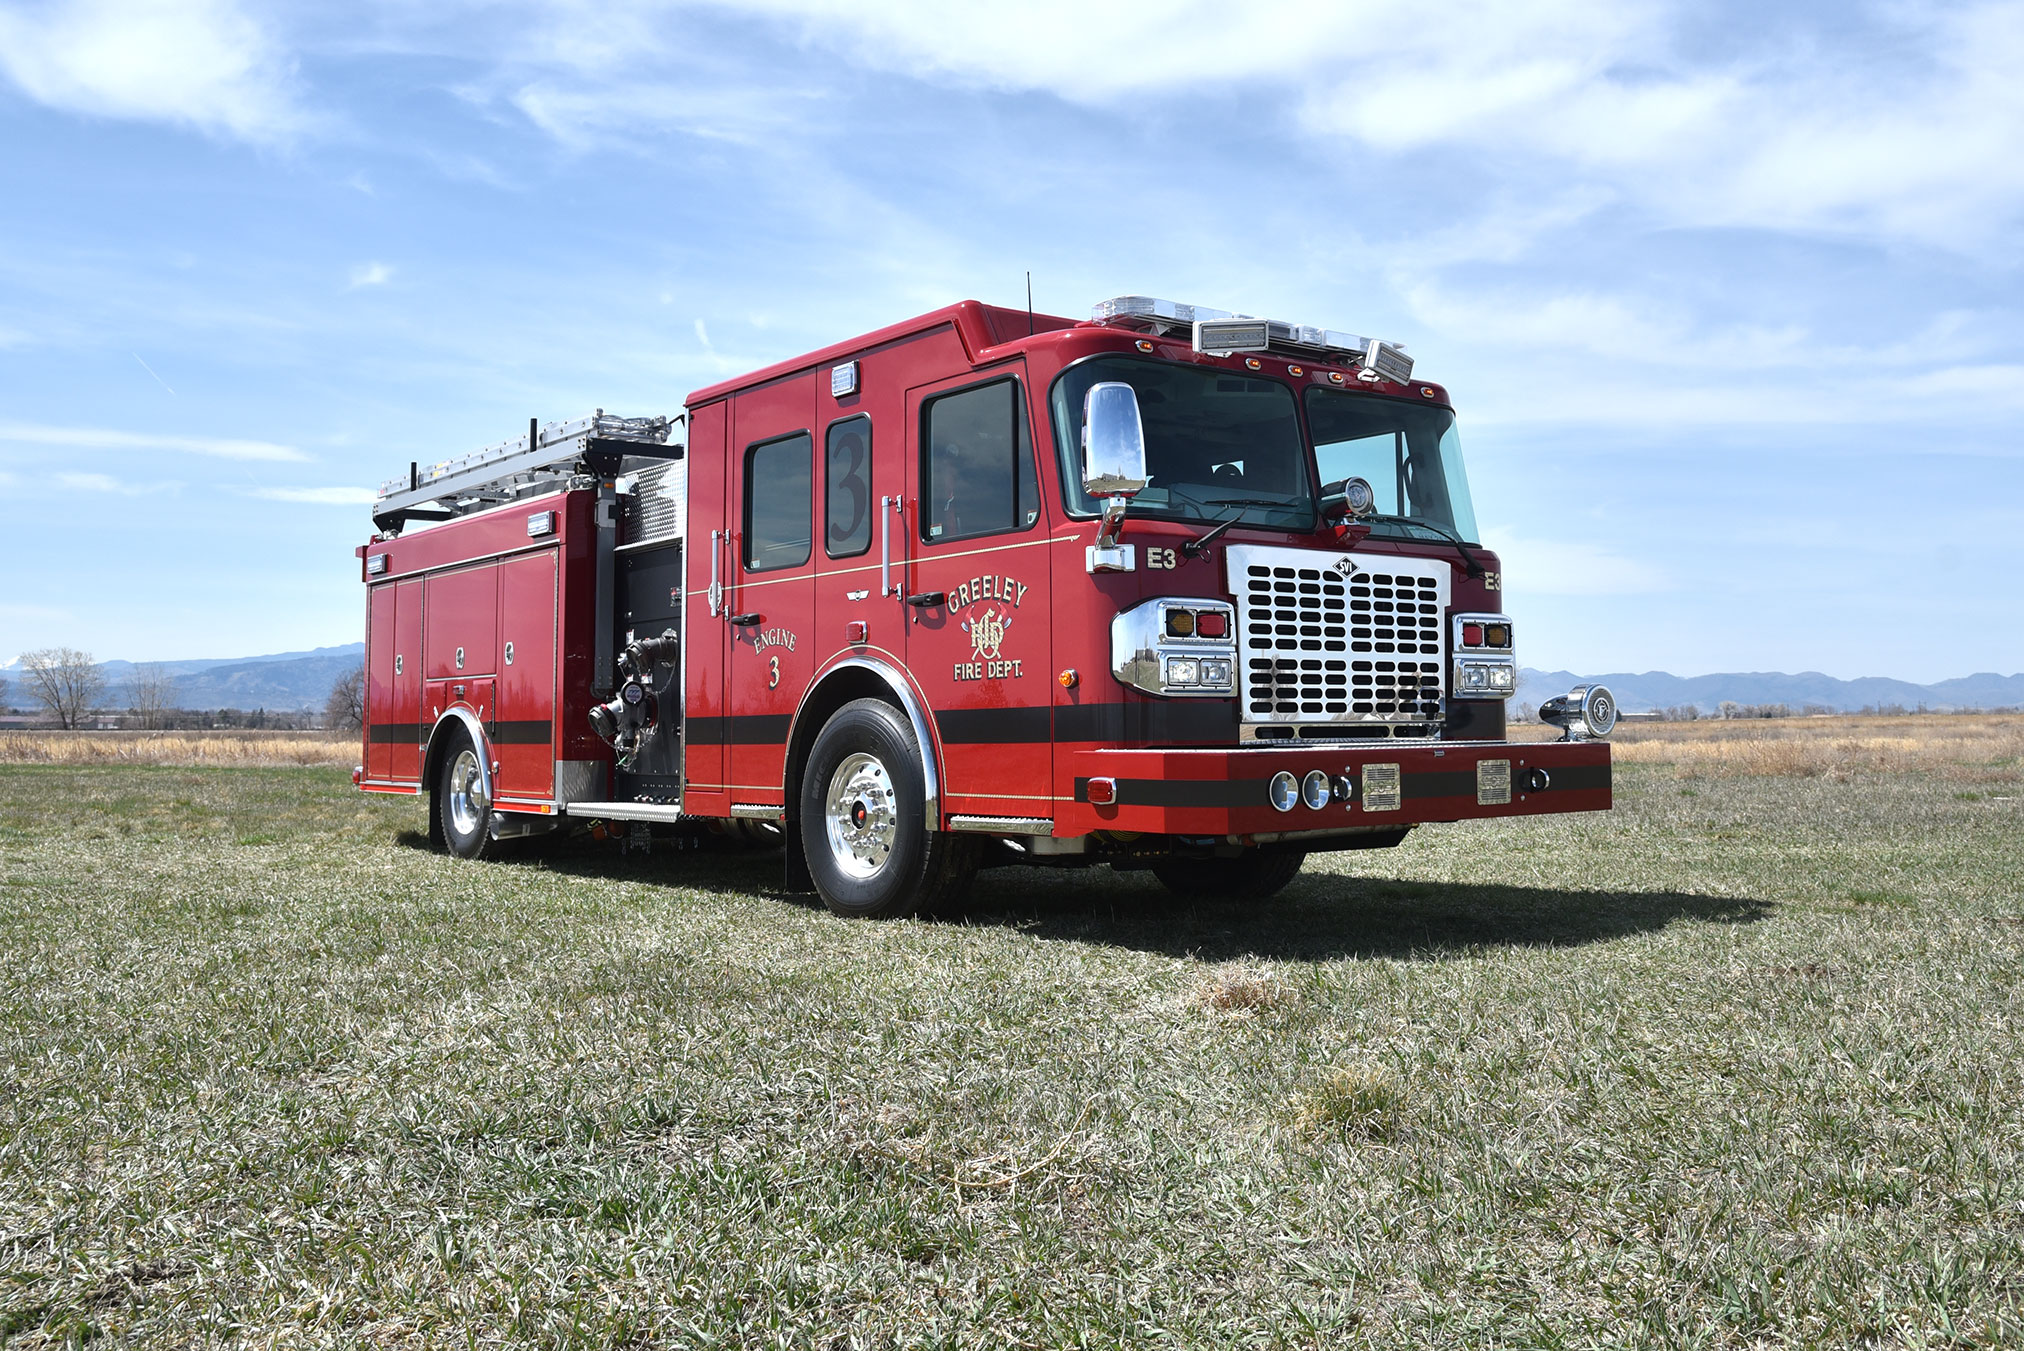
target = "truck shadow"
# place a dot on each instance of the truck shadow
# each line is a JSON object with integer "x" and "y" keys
{"x": 1326, "y": 916}
{"x": 1321, "y": 916}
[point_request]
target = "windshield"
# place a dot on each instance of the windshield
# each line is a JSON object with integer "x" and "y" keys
{"x": 1218, "y": 446}
{"x": 1409, "y": 454}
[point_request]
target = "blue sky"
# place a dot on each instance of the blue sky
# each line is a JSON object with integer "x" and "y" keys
{"x": 1728, "y": 296}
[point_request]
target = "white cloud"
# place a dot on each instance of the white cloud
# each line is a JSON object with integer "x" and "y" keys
{"x": 371, "y": 274}
{"x": 106, "y": 483}
{"x": 1812, "y": 131}
{"x": 322, "y": 497}
{"x": 105, "y": 439}
{"x": 203, "y": 63}
{"x": 1565, "y": 567}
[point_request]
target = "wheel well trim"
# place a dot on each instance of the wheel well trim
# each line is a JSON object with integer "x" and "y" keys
{"x": 910, "y": 704}
{"x": 467, "y": 720}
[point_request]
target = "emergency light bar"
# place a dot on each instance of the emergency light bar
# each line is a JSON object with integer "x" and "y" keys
{"x": 1219, "y": 333}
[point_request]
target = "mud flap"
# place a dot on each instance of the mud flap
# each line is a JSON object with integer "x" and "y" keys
{"x": 796, "y": 859}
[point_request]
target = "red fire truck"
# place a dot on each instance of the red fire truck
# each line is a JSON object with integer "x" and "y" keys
{"x": 1168, "y": 588}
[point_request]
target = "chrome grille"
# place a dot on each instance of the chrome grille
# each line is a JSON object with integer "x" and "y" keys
{"x": 1359, "y": 645}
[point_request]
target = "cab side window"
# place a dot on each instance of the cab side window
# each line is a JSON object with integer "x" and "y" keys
{"x": 779, "y": 488}
{"x": 846, "y": 474}
{"x": 977, "y": 464}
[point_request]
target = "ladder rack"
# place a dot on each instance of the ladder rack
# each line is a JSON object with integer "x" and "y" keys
{"x": 548, "y": 456}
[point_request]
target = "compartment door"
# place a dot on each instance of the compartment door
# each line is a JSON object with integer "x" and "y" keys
{"x": 523, "y": 726}
{"x": 405, "y": 732}
{"x": 380, "y": 728}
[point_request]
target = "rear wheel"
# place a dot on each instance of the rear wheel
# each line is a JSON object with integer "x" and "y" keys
{"x": 863, "y": 819}
{"x": 1251, "y": 876}
{"x": 462, "y": 811}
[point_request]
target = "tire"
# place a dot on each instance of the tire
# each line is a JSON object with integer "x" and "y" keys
{"x": 863, "y": 819}
{"x": 1252, "y": 876}
{"x": 461, "y": 823}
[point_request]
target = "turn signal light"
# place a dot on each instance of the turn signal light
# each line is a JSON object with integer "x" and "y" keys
{"x": 1472, "y": 635}
{"x": 1212, "y": 624}
{"x": 1181, "y": 623}
{"x": 1497, "y": 635}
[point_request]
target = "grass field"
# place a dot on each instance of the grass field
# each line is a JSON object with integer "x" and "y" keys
{"x": 1735, "y": 1065}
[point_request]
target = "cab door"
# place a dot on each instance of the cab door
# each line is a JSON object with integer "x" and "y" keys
{"x": 979, "y": 592}
{"x": 770, "y": 602}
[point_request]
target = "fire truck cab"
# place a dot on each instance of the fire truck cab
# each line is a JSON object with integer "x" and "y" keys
{"x": 1167, "y": 588}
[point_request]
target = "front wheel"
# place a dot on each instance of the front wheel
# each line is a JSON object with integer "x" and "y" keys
{"x": 1251, "y": 876}
{"x": 863, "y": 819}
{"x": 463, "y": 813}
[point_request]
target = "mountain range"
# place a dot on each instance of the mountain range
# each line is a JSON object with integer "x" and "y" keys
{"x": 1642, "y": 692}
{"x": 281, "y": 680}
{"x": 295, "y": 680}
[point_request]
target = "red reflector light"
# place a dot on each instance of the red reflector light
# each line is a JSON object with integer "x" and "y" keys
{"x": 1472, "y": 635}
{"x": 1102, "y": 792}
{"x": 1212, "y": 623}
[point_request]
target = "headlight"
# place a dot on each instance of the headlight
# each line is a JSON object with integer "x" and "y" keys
{"x": 1476, "y": 678}
{"x": 1175, "y": 646}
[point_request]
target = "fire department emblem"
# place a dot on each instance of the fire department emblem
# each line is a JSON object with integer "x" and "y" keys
{"x": 987, "y": 627}
{"x": 987, "y": 633}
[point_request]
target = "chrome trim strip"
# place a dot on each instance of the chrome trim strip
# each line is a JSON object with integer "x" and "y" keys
{"x": 1002, "y": 825}
{"x": 625, "y": 811}
{"x": 757, "y": 811}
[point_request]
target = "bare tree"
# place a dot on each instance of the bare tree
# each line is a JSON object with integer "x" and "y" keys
{"x": 344, "y": 711}
{"x": 154, "y": 693}
{"x": 3, "y": 694}
{"x": 63, "y": 680}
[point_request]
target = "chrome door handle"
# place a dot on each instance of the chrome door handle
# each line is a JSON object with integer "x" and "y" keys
{"x": 716, "y": 583}
{"x": 885, "y": 546}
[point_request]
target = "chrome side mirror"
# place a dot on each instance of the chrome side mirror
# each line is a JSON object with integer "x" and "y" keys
{"x": 1113, "y": 441}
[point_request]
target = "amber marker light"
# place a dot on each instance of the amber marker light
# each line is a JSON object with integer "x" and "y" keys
{"x": 1335, "y": 377}
{"x": 1252, "y": 363}
{"x": 1068, "y": 678}
{"x": 1144, "y": 346}
{"x": 1296, "y": 370}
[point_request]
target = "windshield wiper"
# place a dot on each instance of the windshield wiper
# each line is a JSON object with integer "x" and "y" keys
{"x": 1475, "y": 564}
{"x": 1193, "y": 548}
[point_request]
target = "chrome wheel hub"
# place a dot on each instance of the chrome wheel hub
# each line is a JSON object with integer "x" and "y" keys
{"x": 467, "y": 793}
{"x": 859, "y": 816}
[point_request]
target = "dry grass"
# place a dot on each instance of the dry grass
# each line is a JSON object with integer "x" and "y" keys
{"x": 1736, "y": 1066}
{"x": 1958, "y": 748}
{"x": 250, "y": 749}
{"x": 1239, "y": 989}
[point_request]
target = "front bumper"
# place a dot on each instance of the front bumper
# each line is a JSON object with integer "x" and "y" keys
{"x": 1224, "y": 791}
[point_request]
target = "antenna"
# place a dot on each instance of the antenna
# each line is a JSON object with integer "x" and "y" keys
{"x": 1029, "y": 302}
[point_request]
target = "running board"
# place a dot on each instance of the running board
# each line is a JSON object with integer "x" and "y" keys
{"x": 626, "y": 811}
